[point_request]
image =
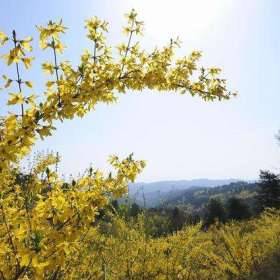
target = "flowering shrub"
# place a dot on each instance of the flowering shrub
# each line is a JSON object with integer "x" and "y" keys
{"x": 46, "y": 223}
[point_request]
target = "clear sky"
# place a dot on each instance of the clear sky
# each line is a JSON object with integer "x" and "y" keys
{"x": 181, "y": 137}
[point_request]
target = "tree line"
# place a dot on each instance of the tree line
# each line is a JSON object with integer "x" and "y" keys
{"x": 164, "y": 220}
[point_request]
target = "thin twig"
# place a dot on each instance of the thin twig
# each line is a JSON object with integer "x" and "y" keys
{"x": 128, "y": 46}
{"x": 19, "y": 81}
{"x": 56, "y": 70}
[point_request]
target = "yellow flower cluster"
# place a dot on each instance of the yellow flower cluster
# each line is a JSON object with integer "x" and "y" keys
{"x": 43, "y": 218}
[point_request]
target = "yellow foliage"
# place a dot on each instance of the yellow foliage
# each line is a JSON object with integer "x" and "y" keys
{"x": 44, "y": 220}
{"x": 233, "y": 251}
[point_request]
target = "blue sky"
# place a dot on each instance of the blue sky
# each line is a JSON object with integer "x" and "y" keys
{"x": 181, "y": 137}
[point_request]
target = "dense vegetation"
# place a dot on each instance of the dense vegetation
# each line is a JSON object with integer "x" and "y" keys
{"x": 51, "y": 228}
{"x": 237, "y": 250}
{"x": 236, "y": 201}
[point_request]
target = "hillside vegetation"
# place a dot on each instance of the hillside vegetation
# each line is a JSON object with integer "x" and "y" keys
{"x": 237, "y": 250}
{"x": 192, "y": 193}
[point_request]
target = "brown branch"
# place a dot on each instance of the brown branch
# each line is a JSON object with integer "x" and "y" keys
{"x": 19, "y": 81}
{"x": 55, "y": 274}
{"x": 56, "y": 70}
{"x": 2, "y": 275}
{"x": 128, "y": 46}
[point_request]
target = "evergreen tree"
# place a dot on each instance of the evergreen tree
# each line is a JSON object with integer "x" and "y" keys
{"x": 215, "y": 211}
{"x": 269, "y": 190}
{"x": 177, "y": 219}
{"x": 134, "y": 210}
{"x": 238, "y": 209}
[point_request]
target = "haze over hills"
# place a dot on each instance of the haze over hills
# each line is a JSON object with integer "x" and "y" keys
{"x": 166, "y": 186}
{"x": 156, "y": 193}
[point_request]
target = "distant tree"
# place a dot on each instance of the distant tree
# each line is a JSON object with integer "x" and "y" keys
{"x": 134, "y": 210}
{"x": 123, "y": 211}
{"x": 192, "y": 219}
{"x": 215, "y": 211}
{"x": 237, "y": 209}
{"x": 157, "y": 223}
{"x": 268, "y": 194}
{"x": 177, "y": 219}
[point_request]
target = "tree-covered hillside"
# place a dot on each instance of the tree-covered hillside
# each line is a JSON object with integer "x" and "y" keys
{"x": 196, "y": 197}
{"x": 190, "y": 193}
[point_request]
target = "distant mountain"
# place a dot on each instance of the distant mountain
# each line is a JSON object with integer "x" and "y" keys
{"x": 197, "y": 197}
{"x": 155, "y": 193}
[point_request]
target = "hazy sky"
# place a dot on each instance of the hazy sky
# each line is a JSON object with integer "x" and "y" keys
{"x": 181, "y": 137}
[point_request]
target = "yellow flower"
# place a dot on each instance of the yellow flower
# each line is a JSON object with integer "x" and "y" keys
{"x": 27, "y": 61}
{"x": 29, "y": 84}
{"x": 16, "y": 98}
{"x": 3, "y": 38}
{"x": 48, "y": 68}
